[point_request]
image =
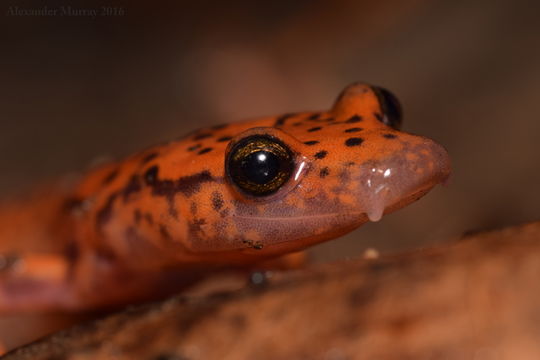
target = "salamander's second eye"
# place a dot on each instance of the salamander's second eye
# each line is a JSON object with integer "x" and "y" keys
{"x": 259, "y": 164}
{"x": 391, "y": 108}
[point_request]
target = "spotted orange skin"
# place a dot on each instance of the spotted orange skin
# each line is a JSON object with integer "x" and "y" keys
{"x": 171, "y": 212}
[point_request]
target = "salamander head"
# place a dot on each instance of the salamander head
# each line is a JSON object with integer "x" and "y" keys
{"x": 295, "y": 180}
{"x": 264, "y": 187}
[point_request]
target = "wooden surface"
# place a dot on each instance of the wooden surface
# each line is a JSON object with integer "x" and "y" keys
{"x": 476, "y": 298}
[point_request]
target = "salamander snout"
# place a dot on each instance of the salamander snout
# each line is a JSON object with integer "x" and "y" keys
{"x": 396, "y": 180}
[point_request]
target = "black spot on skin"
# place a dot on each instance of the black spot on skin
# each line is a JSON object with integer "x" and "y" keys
{"x": 378, "y": 116}
{"x": 390, "y": 136}
{"x": 354, "y": 129}
{"x": 149, "y": 157}
{"x": 354, "y": 119}
{"x": 280, "y": 121}
{"x": 224, "y": 138}
{"x": 354, "y": 141}
{"x": 164, "y": 188}
{"x": 194, "y": 147}
{"x": 321, "y": 154}
{"x": 133, "y": 186}
{"x": 330, "y": 119}
{"x": 312, "y": 142}
{"x": 195, "y": 226}
{"x": 217, "y": 200}
{"x": 150, "y": 176}
{"x": 110, "y": 177}
{"x": 137, "y": 216}
{"x": 205, "y": 150}
{"x": 202, "y": 136}
{"x": 219, "y": 126}
{"x": 103, "y": 216}
{"x": 316, "y": 128}
{"x": 149, "y": 219}
{"x": 324, "y": 172}
{"x": 187, "y": 185}
{"x": 298, "y": 123}
{"x": 314, "y": 116}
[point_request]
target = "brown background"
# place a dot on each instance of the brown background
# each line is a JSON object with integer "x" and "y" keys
{"x": 75, "y": 89}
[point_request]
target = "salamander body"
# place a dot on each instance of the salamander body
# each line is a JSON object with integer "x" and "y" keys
{"x": 228, "y": 196}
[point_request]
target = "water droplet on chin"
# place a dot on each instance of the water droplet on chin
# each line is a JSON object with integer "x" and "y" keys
{"x": 375, "y": 213}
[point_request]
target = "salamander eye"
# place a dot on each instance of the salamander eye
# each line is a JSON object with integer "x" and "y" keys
{"x": 259, "y": 164}
{"x": 391, "y": 108}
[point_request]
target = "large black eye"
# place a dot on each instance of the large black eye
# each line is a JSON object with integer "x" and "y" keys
{"x": 259, "y": 164}
{"x": 391, "y": 108}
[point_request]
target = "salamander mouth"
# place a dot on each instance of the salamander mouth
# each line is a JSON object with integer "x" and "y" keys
{"x": 293, "y": 232}
{"x": 300, "y": 217}
{"x": 362, "y": 215}
{"x": 373, "y": 211}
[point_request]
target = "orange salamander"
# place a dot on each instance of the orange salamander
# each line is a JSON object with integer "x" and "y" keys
{"x": 229, "y": 196}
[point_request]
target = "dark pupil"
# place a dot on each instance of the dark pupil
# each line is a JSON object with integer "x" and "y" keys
{"x": 391, "y": 107}
{"x": 259, "y": 164}
{"x": 260, "y": 167}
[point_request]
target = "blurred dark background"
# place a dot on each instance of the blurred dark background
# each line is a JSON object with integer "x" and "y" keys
{"x": 76, "y": 89}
